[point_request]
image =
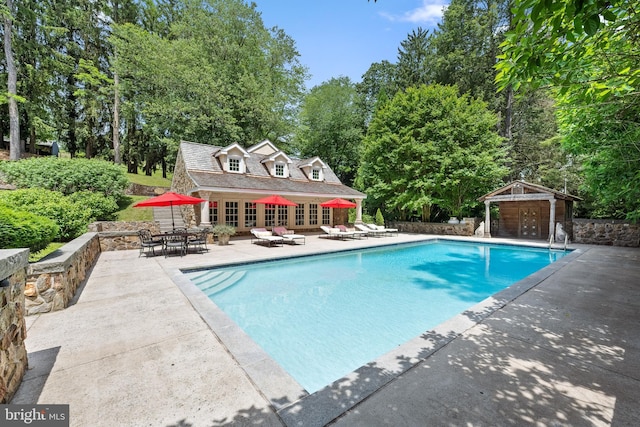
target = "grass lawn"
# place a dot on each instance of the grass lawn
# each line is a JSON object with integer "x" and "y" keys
{"x": 52, "y": 247}
{"x": 128, "y": 213}
{"x": 155, "y": 180}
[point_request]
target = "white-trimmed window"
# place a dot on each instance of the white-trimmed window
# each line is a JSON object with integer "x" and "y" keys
{"x": 269, "y": 215}
{"x": 326, "y": 216}
{"x": 315, "y": 174}
{"x": 234, "y": 164}
{"x": 300, "y": 214}
{"x": 279, "y": 169}
{"x": 231, "y": 213}
{"x": 313, "y": 214}
{"x": 283, "y": 215}
{"x": 250, "y": 214}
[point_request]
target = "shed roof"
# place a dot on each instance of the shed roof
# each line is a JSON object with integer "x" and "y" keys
{"x": 521, "y": 190}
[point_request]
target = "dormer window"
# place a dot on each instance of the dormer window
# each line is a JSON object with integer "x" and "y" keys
{"x": 234, "y": 164}
{"x": 232, "y": 158}
{"x": 280, "y": 169}
{"x": 315, "y": 174}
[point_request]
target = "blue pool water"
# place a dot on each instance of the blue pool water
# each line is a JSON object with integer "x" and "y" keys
{"x": 324, "y": 316}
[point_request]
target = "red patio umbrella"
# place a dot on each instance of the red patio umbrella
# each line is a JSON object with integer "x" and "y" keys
{"x": 338, "y": 203}
{"x": 169, "y": 199}
{"x": 275, "y": 200}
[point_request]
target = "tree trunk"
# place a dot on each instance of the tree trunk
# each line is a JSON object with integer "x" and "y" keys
{"x": 116, "y": 120}
{"x": 116, "y": 98}
{"x": 508, "y": 113}
{"x": 15, "y": 151}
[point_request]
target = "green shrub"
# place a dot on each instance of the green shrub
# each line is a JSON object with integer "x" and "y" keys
{"x": 102, "y": 208}
{"x": 366, "y": 218}
{"x": 67, "y": 176}
{"x": 21, "y": 229}
{"x": 72, "y": 219}
{"x": 379, "y": 218}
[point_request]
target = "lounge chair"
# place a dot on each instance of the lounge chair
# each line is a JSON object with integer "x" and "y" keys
{"x": 370, "y": 231}
{"x": 289, "y": 236}
{"x": 264, "y": 236}
{"x": 382, "y": 228}
{"x": 335, "y": 233}
{"x": 355, "y": 233}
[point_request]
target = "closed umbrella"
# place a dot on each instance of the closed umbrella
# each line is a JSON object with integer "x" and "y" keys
{"x": 338, "y": 203}
{"x": 169, "y": 199}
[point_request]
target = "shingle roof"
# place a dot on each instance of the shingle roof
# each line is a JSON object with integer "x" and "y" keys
{"x": 534, "y": 187}
{"x": 207, "y": 173}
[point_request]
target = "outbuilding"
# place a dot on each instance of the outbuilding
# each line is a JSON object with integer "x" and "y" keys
{"x": 231, "y": 178}
{"x": 529, "y": 211}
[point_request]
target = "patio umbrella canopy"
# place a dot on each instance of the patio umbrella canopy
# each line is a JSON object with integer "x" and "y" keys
{"x": 338, "y": 203}
{"x": 169, "y": 199}
{"x": 275, "y": 200}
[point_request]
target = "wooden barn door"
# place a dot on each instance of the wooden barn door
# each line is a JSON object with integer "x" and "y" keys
{"x": 529, "y": 226}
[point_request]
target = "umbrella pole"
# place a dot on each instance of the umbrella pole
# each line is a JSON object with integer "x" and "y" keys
{"x": 173, "y": 223}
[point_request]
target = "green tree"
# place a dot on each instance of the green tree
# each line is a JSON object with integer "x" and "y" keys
{"x": 332, "y": 127}
{"x": 414, "y": 56}
{"x": 214, "y": 75}
{"x": 378, "y": 85}
{"x": 430, "y": 146}
{"x": 589, "y": 53}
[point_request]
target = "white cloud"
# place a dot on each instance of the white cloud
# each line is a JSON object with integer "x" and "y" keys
{"x": 430, "y": 12}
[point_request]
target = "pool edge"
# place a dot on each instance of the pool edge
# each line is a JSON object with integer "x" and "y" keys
{"x": 291, "y": 402}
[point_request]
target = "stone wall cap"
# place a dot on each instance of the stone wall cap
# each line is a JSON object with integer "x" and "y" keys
{"x": 12, "y": 260}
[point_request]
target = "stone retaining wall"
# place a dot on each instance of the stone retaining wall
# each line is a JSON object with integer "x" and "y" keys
{"x": 13, "y": 331}
{"x": 606, "y": 232}
{"x": 466, "y": 229}
{"x": 121, "y": 236}
{"x": 53, "y": 281}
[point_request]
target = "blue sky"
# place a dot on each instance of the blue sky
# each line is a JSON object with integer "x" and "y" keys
{"x": 344, "y": 37}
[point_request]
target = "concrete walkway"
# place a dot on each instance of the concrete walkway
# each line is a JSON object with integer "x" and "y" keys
{"x": 560, "y": 348}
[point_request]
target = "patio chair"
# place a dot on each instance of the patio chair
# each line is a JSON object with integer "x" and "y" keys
{"x": 370, "y": 231}
{"x": 264, "y": 236}
{"x": 198, "y": 241}
{"x": 147, "y": 243}
{"x": 289, "y": 236}
{"x": 175, "y": 243}
{"x": 382, "y": 228}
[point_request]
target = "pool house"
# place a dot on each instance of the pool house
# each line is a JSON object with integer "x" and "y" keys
{"x": 230, "y": 178}
{"x": 529, "y": 211}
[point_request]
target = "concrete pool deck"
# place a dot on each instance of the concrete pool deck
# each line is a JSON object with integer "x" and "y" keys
{"x": 137, "y": 348}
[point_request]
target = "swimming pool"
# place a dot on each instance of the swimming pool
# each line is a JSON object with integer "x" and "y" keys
{"x": 321, "y": 317}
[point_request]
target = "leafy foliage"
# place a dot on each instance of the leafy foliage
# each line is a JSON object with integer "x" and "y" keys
{"x": 66, "y": 175}
{"x": 71, "y": 218}
{"x": 101, "y": 208}
{"x": 22, "y": 229}
{"x": 332, "y": 127}
{"x": 430, "y": 146}
{"x": 588, "y": 51}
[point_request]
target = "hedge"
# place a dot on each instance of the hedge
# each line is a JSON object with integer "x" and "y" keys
{"x": 21, "y": 229}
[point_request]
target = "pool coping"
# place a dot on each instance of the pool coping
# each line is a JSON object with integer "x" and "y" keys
{"x": 289, "y": 399}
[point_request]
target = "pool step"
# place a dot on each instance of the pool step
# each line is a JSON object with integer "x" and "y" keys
{"x": 211, "y": 282}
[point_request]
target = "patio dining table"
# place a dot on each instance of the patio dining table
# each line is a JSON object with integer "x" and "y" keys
{"x": 178, "y": 240}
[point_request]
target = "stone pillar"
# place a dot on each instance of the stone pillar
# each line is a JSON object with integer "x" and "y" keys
{"x": 487, "y": 219}
{"x": 552, "y": 217}
{"x": 13, "y": 331}
{"x": 358, "y": 211}
{"x": 204, "y": 214}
